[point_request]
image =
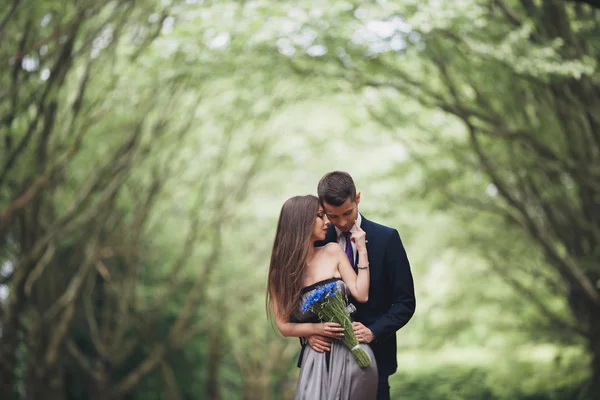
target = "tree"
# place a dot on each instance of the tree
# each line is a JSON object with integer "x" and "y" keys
{"x": 94, "y": 132}
{"x": 519, "y": 78}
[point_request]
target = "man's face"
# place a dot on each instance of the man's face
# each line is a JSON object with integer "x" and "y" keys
{"x": 343, "y": 216}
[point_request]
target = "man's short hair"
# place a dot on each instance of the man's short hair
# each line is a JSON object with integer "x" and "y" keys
{"x": 335, "y": 188}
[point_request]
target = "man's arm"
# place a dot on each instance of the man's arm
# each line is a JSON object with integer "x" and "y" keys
{"x": 403, "y": 292}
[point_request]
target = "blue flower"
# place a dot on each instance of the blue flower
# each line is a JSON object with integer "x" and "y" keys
{"x": 319, "y": 294}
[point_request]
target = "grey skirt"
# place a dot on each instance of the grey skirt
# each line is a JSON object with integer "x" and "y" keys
{"x": 343, "y": 379}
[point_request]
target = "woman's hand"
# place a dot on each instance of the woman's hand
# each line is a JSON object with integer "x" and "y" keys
{"x": 329, "y": 329}
{"x": 359, "y": 237}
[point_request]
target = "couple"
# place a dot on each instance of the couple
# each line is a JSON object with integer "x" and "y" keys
{"x": 368, "y": 263}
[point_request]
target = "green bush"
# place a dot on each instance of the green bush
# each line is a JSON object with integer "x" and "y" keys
{"x": 458, "y": 382}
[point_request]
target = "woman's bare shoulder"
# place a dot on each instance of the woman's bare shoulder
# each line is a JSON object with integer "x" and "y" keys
{"x": 333, "y": 248}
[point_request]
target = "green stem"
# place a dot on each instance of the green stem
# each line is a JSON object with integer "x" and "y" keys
{"x": 333, "y": 309}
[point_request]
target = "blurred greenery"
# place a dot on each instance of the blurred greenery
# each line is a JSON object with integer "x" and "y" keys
{"x": 147, "y": 147}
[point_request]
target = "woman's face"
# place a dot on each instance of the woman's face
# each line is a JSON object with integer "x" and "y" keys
{"x": 320, "y": 226}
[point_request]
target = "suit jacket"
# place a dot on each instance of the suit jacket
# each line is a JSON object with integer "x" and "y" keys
{"x": 391, "y": 293}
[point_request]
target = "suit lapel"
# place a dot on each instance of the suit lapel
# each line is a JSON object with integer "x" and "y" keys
{"x": 331, "y": 234}
{"x": 366, "y": 226}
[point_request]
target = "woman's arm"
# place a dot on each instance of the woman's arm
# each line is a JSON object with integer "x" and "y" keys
{"x": 357, "y": 283}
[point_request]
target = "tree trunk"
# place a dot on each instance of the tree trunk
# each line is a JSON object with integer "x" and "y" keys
{"x": 45, "y": 384}
{"x": 9, "y": 341}
{"x": 100, "y": 390}
{"x": 588, "y": 315}
{"x": 214, "y": 362}
{"x": 8, "y": 344}
{"x": 595, "y": 350}
{"x": 43, "y": 381}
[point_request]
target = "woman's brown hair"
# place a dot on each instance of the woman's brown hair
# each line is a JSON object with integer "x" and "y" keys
{"x": 290, "y": 252}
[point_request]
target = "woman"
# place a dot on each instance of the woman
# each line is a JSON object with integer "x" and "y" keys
{"x": 297, "y": 268}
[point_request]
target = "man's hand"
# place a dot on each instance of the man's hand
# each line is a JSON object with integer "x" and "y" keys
{"x": 362, "y": 333}
{"x": 319, "y": 343}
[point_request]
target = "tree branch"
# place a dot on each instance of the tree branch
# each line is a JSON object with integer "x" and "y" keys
{"x": 144, "y": 368}
{"x": 592, "y": 3}
{"x": 83, "y": 362}
{"x": 9, "y": 14}
{"x": 31, "y": 193}
{"x": 170, "y": 381}
{"x": 535, "y": 300}
{"x": 510, "y": 13}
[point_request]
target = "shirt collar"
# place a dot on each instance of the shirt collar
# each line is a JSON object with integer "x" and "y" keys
{"x": 358, "y": 219}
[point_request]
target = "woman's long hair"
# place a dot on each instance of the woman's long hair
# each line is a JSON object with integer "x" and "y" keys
{"x": 290, "y": 253}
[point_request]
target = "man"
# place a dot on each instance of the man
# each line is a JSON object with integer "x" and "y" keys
{"x": 391, "y": 295}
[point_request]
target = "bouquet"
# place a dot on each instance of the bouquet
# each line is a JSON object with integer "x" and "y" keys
{"x": 327, "y": 303}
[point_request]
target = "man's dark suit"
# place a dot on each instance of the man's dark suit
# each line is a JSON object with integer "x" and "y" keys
{"x": 391, "y": 293}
